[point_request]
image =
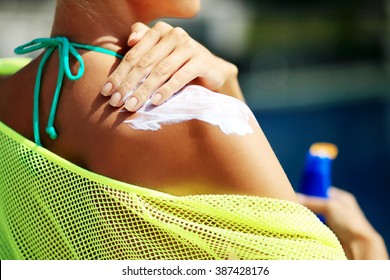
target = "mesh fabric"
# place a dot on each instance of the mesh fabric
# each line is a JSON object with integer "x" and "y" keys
{"x": 10, "y": 65}
{"x": 53, "y": 209}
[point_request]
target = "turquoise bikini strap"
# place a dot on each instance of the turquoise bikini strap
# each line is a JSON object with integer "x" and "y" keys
{"x": 65, "y": 49}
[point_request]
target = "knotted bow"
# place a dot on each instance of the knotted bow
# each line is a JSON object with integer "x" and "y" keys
{"x": 65, "y": 49}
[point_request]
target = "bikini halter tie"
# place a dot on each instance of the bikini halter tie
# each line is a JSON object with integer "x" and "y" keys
{"x": 65, "y": 49}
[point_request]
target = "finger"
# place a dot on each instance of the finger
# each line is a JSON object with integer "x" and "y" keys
{"x": 151, "y": 71}
{"x": 180, "y": 79}
{"x": 138, "y": 31}
{"x": 315, "y": 204}
{"x": 165, "y": 69}
{"x": 337, "y": 192}
{"x": 127, "y": 63}
{"x": 173, "y": 50}
{"x": 158, "y": 76}
{"x": 131, "y": 58}
{"x": 123, "y": 80}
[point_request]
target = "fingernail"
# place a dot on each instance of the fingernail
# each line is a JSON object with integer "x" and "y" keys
{"x": 132, "y": 37}
{"x": 115, "y": 99}
{"x": 106, "y": 89}
{"x": 156, "y": 98}
{"x": 131, "y": 103}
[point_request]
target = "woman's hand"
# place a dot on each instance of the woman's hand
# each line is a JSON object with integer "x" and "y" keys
{"x": 161, "y": 61}
{"x": 345, "y": 217}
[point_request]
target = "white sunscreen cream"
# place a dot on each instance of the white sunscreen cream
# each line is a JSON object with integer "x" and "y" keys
{"x": 195, "y": 103}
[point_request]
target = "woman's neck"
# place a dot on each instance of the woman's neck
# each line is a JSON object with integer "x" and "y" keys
{"x": 106, "y": 26}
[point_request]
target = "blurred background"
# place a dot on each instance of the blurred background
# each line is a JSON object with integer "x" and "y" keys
{"x": 310, "y": 70}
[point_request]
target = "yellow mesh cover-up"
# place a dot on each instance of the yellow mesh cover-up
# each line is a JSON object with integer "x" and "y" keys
{"x": 53, "y": 209}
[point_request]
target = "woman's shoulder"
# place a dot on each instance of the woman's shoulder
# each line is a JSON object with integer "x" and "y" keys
{"x": 197, "y": 142}
{"x": 169, "y": 147}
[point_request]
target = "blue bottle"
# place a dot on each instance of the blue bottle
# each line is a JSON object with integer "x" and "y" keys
{"x": 316, "y": 177}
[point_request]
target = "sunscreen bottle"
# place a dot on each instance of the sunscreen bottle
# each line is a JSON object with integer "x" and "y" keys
{"x": 316, "y": 177}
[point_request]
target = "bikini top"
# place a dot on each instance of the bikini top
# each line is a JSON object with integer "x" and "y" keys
{"x": 65, "y": 49}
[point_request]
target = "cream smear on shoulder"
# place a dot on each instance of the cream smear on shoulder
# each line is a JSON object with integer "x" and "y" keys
{"x": 195, "y": 103}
